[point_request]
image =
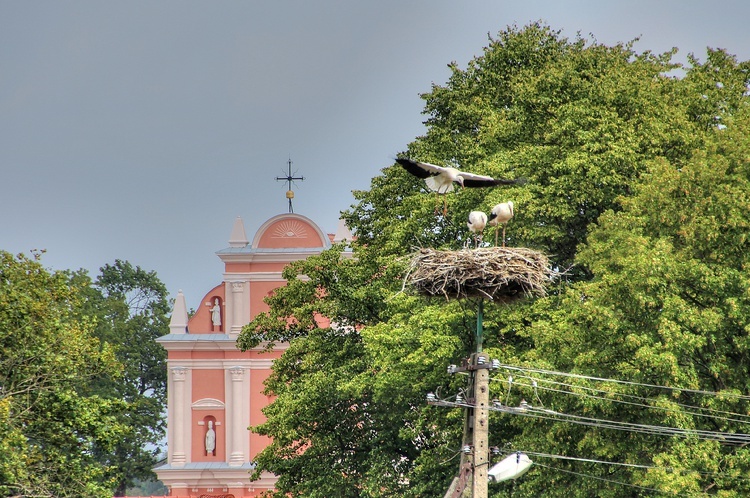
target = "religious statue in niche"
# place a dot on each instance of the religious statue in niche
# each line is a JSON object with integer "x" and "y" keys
{"x": 216, "y": 313}
{"x": 210, "y": 439}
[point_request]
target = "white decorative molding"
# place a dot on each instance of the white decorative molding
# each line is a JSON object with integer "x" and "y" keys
{"x": 291, "y": 217}
{"x": 256, "y": 276}
{"x": 237, "y": 373}
{"x": 226, "y": 364}
{"x": 212, "y": 345}
{"x": 270, "y": 257}
{"x": 260, "y": 364}
{"x": 179, "y": 481}
{"x": 289, "y": 229}
{"x": 208, "y": 404}
{"x": 178, "y": 373}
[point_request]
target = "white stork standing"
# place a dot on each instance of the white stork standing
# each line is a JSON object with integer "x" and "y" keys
{"x": 440, "y": 179}
{"x": 500, "y": 215}
{"x": 476, "y": 223}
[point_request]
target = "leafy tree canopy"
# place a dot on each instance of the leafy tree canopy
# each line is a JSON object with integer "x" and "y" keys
{"x": 132, "y": 311}
{"x": 83, "y": 382}
{"x": 49, "y": 429}
{"x": 637, "y": 186}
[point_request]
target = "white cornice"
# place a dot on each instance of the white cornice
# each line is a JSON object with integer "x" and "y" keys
{"x": 222, "y": 364}
{"x": 256, "y": 276}
{"x": 213, "y": 477}
{"x": 269, "y": 257}
{"x": 210, "y": 345}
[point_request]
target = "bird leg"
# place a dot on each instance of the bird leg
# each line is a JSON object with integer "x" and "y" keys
{"x": 437, "y": 203}
{"x": 503, "y": 234}
{"x": 496, "y": 229}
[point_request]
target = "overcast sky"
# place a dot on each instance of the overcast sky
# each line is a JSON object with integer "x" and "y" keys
{"x": 139, "y": 130}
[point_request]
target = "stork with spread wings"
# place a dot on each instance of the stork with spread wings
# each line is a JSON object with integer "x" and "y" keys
{"x": 440, "y": 179}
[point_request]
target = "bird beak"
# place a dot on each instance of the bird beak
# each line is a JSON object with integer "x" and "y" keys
{"x": 461, "y": 180}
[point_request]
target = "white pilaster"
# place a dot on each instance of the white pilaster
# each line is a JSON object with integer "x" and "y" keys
{"x": 178, "y": 413}
{"x": 238, "y": 424}
{"x": 239, "y": 302}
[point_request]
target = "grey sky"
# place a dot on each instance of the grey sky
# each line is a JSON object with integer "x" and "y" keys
{"x": 139, "y": 130}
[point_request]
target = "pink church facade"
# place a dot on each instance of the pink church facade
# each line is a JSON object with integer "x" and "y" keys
{"x": 214, "y": 390}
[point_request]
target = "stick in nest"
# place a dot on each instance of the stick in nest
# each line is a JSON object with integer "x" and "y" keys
{"x": 495, "y": 273}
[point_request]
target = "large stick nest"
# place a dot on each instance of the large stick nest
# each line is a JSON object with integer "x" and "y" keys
{"x": 498, "y": 273}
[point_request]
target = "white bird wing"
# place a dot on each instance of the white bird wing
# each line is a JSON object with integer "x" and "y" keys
{"x": 432, "y": 168}
{"x": 420, "y": 170}
{"x": 440, "y": 178}
{"x": 472, "y": 180}
{"x": 473, "y": 176}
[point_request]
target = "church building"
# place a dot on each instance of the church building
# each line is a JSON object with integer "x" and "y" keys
{"x": 214, "y": 390}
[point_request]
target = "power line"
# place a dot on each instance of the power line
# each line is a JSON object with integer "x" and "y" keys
{"x": 588, "y": 460}
{"x": 659, "y": 430}
{"x": 626, "y": 382}
{"x": 542, "y": 413}
{"x": 530, "y": 411}
{"x": 689, "y": 409}
{"x": 589, "y": 476}
{"x": 633, "y": 465}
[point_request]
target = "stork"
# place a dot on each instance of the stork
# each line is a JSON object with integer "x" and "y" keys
{"x": 500, "y": 215}
{"x": 440, "y": 179}
{"x": 476, "y": 223}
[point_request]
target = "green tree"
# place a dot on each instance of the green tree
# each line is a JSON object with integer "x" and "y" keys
{"x": 49, "y": 430}
{"x": 132, "y": 310}
{"x": 579, "y": 120}
{"x": 669, "y": 305}
{"x": 335, "y": 431}
{"x": 596, "y": 130}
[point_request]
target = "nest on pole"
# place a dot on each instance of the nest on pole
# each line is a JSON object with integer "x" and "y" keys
{"x": 500, "y": 274}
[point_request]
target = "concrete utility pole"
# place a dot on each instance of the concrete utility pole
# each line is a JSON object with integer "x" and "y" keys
{"x": 481, "y": 362}
{"x": 474, "y": 466}
{"x": 481, "y": 425}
